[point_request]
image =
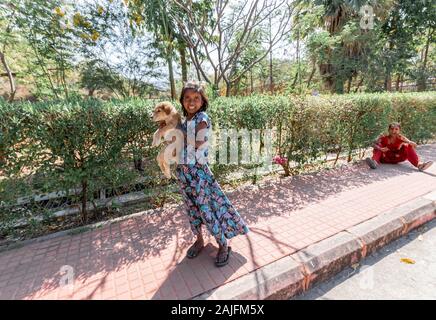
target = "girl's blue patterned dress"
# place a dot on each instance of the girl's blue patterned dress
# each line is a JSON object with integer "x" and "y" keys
{"x": 206, "y": 202}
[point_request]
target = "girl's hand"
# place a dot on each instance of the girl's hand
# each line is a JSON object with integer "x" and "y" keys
{"x": 384, "y": 149}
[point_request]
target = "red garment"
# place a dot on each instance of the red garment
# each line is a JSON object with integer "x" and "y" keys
{"x": 397, "y": 152}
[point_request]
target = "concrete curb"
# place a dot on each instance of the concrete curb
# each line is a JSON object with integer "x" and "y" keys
{"x": 294, "y": 274}
{"x": 276, "y": 278}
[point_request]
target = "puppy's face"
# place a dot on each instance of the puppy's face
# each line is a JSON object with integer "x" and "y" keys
{"x": 162, "y": 111}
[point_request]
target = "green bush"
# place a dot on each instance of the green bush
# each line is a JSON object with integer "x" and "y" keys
{"x": 72, "y": 144}
{"x": 90, "y": 144}
{"x": 311, "y": 126}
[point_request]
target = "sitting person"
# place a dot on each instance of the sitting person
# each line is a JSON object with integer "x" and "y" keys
{"x": 394, "y": 148}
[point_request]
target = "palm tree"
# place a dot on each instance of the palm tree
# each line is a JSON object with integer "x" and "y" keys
{"x": 337, "y": 13}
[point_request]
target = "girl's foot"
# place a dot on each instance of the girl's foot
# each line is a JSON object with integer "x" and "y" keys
{"x": 223, "y": 255}
{"x": 425, "y": 165}
{"x": 195, "y": 249}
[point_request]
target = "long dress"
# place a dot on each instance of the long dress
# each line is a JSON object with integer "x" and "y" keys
{"x": 206, "y": 202}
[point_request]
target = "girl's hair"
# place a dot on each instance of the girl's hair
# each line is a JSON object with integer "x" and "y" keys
{"x": 197, "y": 87}
{"x": 394, "y": 124}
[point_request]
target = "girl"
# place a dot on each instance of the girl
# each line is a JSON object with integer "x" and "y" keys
{"x": 206, "y": 203}
{"x": 394, "y": 148}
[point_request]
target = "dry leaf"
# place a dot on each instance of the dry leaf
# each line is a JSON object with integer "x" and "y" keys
{"x": 407, "y": 260}
{"x": 420, "y": 238}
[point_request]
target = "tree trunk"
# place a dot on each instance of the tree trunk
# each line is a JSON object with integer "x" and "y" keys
{"x": 44, "y": 70}
{"x": 422, "y": 80}
{"x": 350, "y": 79}
{"x": 182, "y": 52}
{"x": 388, "y": 77}
{"x": 359, "y": 84}
{"x": 271, "y": 85}
{"x": 397, "y": 83}
{"x": 297, "y": 75}
{"x": 295, "y": 80}
{"x": 388, "y": 82}
{"x": 424, "y": 65}
{"x": 286, "y": 169}
{"x": 251, "y": 81}
{"x": 337, "y": 155}
{"x": 311, "y": 74}
{"x": 63, "y": 80}
{"x": 236, "y": 87}
{"x": 84, "y": 200}
{"x": 10, "y": 77}
{"x": 228, "y": 88}
{"x": 171, "y": 74}
{"x": 325, "y": 71}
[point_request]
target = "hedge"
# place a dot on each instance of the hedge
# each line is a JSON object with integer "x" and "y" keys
{"x": 90, "y": 144}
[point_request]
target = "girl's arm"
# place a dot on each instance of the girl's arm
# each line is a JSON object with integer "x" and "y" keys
{"x": 405, "y": 140}
{"x": 202, "y": 125}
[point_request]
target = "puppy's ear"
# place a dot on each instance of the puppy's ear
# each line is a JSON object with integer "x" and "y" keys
{"x": 167, "y": 108}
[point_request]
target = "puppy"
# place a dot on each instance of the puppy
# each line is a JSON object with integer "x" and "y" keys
{"x": 169, "y": 123}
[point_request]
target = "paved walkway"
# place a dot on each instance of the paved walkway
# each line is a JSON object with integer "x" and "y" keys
{"x": 144, "y": 257}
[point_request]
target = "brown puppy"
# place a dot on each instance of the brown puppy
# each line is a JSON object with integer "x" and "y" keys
{"x": 168, "y": 118}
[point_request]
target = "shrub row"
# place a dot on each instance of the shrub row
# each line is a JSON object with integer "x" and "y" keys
{"x": 90, "y": 144}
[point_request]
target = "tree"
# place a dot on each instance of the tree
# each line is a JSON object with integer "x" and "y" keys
{"x": 7, "y": 13}
{"x": 252, "y": 52}
{"x": 119, "y": 58}
{"x": 407, "y": 29}
{"x": 410, "y": 24}
{"x": 154, "y": 15}
{"x": 306, "y": 23}
{"x": 348, "y": 48}
{"x": 209, "y": 34}
{"x": 45, "y": 27}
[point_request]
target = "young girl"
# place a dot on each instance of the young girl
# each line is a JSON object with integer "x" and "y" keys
{"x": 206, "y": 203}
{"x": 394, "y": 148}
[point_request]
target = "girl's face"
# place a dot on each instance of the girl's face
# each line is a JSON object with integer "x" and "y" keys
{"x": 192, "y": 102}
{"x": 394, "y": 131}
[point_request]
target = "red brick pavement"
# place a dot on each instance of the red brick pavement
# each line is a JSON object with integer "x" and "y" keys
{"x": 144, "y": 257}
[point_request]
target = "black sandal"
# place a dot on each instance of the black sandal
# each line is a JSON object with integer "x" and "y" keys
{"x": 219, "y": 263}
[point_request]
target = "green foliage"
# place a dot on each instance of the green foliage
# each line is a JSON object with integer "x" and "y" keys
{"x": 43, "y": 26}
{"x": 64, "y": 145}
{"x": 90, "y": 145}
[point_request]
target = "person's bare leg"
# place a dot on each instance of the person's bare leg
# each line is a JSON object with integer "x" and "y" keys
{"x": 222, "y": 252}
{"x": 195, "y": 249}
{"x": 200, "y": 240}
